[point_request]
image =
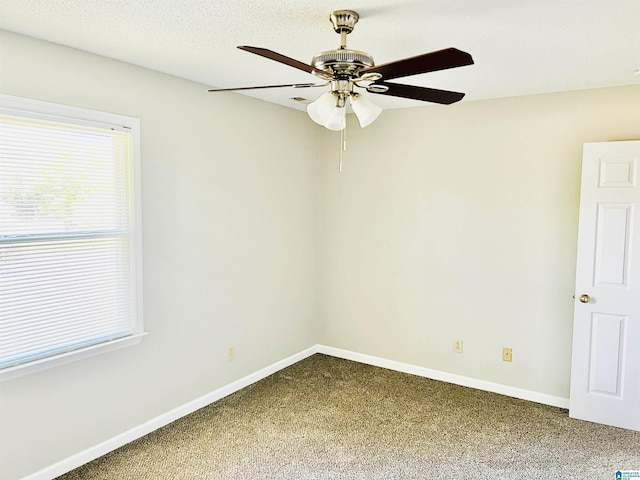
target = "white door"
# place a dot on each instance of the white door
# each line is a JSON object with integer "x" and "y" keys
{"x": 605, "y": 371}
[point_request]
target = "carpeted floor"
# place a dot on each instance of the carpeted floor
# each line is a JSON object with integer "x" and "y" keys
{"x": 327, "y": 418}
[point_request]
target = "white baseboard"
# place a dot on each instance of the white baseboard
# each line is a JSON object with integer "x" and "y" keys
{"x": 446, "y": 377}
{"x": 118, "y": 441}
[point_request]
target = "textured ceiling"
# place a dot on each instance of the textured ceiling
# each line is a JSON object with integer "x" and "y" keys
{"x": 519, "y": 47}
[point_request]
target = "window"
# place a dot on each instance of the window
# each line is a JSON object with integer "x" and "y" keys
{"x": 70, "y": 259}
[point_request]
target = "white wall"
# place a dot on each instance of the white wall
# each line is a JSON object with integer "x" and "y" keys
{"x": 229, "y": 213}
{"x": 461, "y": 222}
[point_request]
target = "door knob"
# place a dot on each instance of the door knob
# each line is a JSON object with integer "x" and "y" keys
{"x": 585, "y": 298}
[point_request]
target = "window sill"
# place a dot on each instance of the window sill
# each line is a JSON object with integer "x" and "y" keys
{"x": 68, "y": 357}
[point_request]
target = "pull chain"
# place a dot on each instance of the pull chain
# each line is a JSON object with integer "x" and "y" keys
{"x": 343, "y": 145}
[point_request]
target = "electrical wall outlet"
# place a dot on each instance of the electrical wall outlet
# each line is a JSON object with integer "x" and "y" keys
{"x": 231, "y": 354}
{"x": 507, "y": 354}
{"x": 457, "y": 346}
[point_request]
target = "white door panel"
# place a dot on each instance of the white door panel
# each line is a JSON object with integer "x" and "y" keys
{"x": 605, "y": 372}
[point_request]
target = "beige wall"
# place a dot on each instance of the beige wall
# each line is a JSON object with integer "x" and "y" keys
{"x": 461, "y": 222}
{"x": 447, "y": 222}
{"x": 229, "y": 251}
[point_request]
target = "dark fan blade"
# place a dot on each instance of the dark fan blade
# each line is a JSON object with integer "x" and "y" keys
{"x": 263, "y": 52}
{"x": 419, "y": 93}
{"x": 294, "y": 85}
{"x": 427, "y": 62}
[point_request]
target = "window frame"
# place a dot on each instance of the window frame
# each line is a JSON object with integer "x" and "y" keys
{"x": 71, "y": 114}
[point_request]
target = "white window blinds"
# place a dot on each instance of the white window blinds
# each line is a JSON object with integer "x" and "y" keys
{"x": 68, "y": 266}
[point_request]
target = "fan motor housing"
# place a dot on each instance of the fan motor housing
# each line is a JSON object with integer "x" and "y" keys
{"x": 342, "y": 63}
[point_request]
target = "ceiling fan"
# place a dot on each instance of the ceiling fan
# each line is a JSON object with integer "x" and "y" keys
{"x": 346, "y": 69}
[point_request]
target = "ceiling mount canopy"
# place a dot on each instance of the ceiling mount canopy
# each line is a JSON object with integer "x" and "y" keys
{"x": 344, "y": 70}
{"x": 344, "y": 21}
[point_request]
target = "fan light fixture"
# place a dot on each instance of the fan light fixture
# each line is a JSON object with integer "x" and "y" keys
{"x": 326, "y": 112}
{"x": 366, "y": 111}
{"x": 330, "y": 110}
